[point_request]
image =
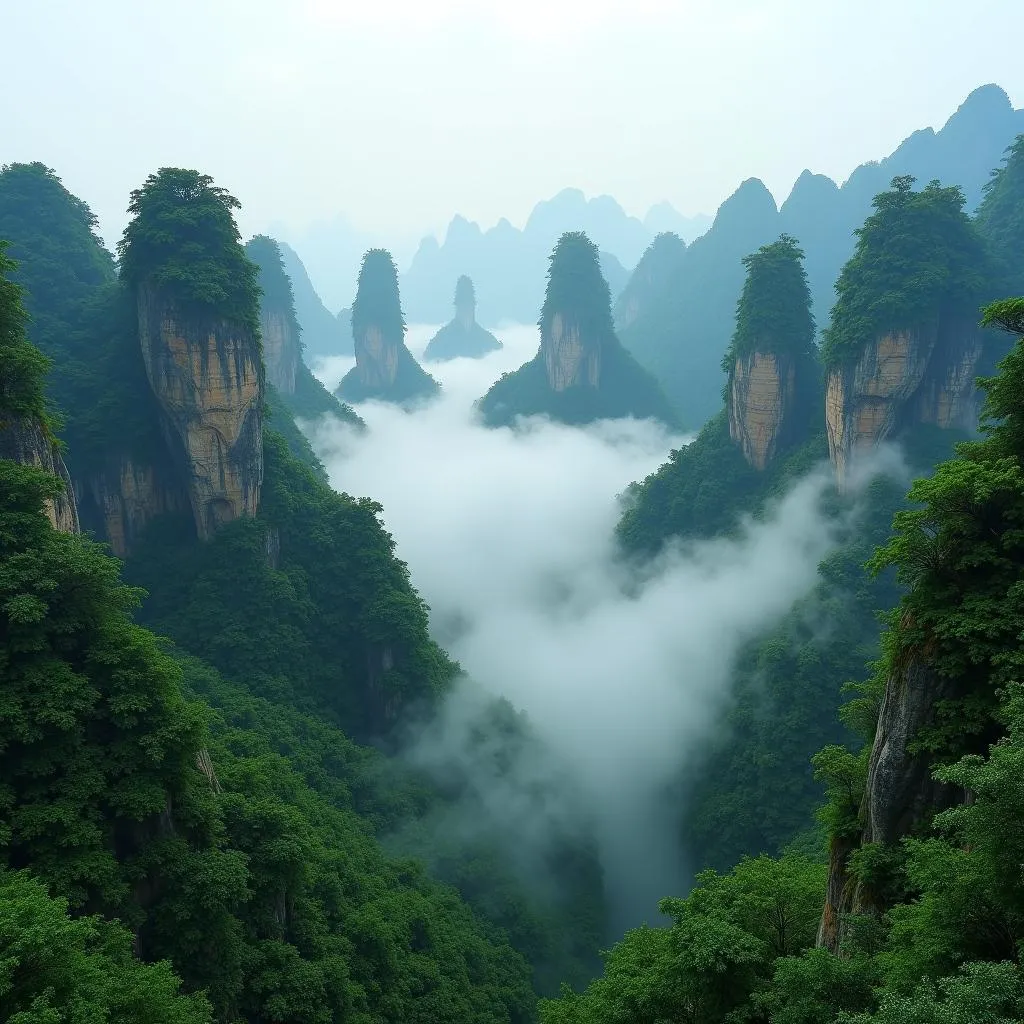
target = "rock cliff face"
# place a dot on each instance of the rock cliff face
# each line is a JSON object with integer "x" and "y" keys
{"x": 23, "y": 440}
{"x": 903, "y": 377}
{"x": 570, "y": 358}
{"x": 207, "y": 376}
{"x": 762, "y": 392}
{"x": 376, "y": 358}
{"x": 900, "y": 793}
{"x": 282, "y": 352}
{"x": 124, "y": 497}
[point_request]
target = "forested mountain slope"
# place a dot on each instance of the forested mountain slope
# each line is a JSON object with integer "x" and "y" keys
{"x": 904, "y": 903}
{"x": 223, "y": 816}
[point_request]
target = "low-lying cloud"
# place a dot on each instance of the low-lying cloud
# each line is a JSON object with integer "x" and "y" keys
{"x": 509, "y": 537}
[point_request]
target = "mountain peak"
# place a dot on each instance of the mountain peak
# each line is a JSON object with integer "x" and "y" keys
{"x": 751, "y": 200}
{"x": 987, "y": 102}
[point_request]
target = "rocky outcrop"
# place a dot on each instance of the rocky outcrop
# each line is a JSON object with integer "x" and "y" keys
{"x": 762, "y": 392}
{"x": 124, "y": 497}
{"x": 24, "y": 440}
{"x": 570, "y": 357}
{"x": 207, "y": 376}
{"x": 376, "y": 358}
{"x": 903, "y": 377}
{"x": 900, "y": 794}
{"x": 462, "y": 337}
{"x": 282, "y": 352}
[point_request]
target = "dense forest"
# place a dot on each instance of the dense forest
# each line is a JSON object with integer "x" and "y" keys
{"x": 212, "y": 661}
{"x": 213, "y": 806}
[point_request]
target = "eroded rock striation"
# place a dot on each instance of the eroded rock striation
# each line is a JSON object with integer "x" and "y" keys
{"x": 24, "y": 440}
{"x": 762, "y": 392}
{"x": 903, "y": 377}
{"x": 282, "y": 352}
{"x": 572, "y": 355}
{"x": 125, "y": 496}
{"x": 207, "y": 376}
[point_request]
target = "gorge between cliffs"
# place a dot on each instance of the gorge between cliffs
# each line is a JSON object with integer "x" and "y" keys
{"x": 533, "y": 600}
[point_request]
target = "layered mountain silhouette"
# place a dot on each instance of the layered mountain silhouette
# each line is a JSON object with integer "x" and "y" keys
{"x": 508, "y": 264}
{"x": 680, "y": 329}
{"x": 323, "y": 333}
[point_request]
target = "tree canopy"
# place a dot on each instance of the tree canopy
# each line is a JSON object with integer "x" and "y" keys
{"x": 918, "y": 259}
{"x": 273, "y": 281}
{"x": 1001, "y": 217}
{"x": 577, "y": 289}
{"x": 24, "y": 366}
{"x": 774, "y": 310}
{"x": 377, "y": 302}
{"x": 183, "y": 238}
{"x": 465, "y": 293}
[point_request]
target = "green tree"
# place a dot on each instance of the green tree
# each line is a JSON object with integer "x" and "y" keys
{"x": 54, "y": 968}
{"x": 377, "y": 302}
{"x": 1000, "y": 218}
{"x": 773, "y": 313}
{"x": 577, "y": 290}
{"x": 918, "y": 259}
{"x": 24, "y": 366}
{"x": 183, "y": 238}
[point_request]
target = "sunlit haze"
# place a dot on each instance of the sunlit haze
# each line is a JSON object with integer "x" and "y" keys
{"x": 398, "y": 114}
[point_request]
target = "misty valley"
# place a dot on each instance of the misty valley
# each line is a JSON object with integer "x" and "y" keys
{"x": 608, "y": 621}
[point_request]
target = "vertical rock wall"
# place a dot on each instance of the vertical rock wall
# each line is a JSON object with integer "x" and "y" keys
{"x": 570, "y": 358}
{"x": 282, "y": 352}
{"x": 902, "y": 378}
{"x": 762, "y": 393}
{"x": 207, "y": 376}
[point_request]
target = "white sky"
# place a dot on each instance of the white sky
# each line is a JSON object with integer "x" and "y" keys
{"x": 399, "y": 113}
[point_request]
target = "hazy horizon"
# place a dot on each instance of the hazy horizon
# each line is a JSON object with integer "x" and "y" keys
{"x": 396, "y": 118}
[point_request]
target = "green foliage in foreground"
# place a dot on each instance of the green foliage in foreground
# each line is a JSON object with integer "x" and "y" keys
{"x": 127, "y": 798}
{"x": 55, "y": 968}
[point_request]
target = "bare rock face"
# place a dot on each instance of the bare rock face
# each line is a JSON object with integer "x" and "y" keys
{"x": 24, "y": 440}
{"x": 376, "y": 358}
{"x": 127, "y": 496}
{"x": 208, "y": 379}
{"x": 762, "y": 391}
{"x": 949, "y": 398}
{"x": 902, "y": 378}
{"x": 281, "y": 350}
{"x": 900, "y": 794}
{"x": 569, "y": 358}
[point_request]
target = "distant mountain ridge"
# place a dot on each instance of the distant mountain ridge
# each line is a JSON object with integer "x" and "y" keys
{"x": 509, "y": 264}
{"x": 683, "y": 328}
